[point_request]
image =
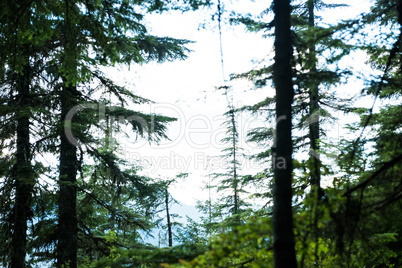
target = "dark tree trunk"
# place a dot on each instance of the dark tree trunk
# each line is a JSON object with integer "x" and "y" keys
{"x": 314, "y": 126}
{"x": 67, "y": 221}
{"x": 23, "y": 174}
{"x": 169, "y": 224}
{"x": 284, "y": 245}
{"x": 67, "y": 202}
{"x": 235, "y": 180}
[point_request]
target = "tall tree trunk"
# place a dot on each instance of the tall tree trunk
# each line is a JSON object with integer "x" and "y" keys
{"x": 169, "y": 224}
{"x": 67, "y": 228}
{"x": 314, "y": 126}
{"x": 67, "y": 202}
{"x": 23, "y": 173}
{"x": 235, "y": 180}
{"x": 208, "y": 229}
{"x": 284, "y": 245}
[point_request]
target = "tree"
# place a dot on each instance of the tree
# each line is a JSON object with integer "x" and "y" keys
{"x": 168, "y": 201}
{"x": 20, "y": 72}
{"x": 163, "y": 218}
{"x": 23, "y": 173}
{"x": 357, "y": 214}
{"x": 113, "y": 200}
{"x": 284, "y": 249}
{"x": 68, "y": 168}
{"x": 113, "y": 32}
{"x": 313, "y": 43}
{"x": 317, "y": 50}
{"x": 106, "y": 28}
{"x": 229, "y": 184}
{"x": 375, "y": 191}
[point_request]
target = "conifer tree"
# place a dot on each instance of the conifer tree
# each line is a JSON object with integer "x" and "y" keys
{"x": 166, "y": 202}
{"x": 373, "y": 190}
{"x": 228, "y": 184}
{"x": 113, "y": 32}
{"x": 113, "y": 200}
{"x": 313, "y": 41}
{"x": 106, "y": 28}
{"x": 20, "y": 76}
{"x": 314, "y": 102}
{"x": 284, "y": 245}
{"x": 317, "y": 50}
{"x": 23, "y": 173}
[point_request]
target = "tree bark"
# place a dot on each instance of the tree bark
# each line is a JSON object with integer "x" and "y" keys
{"x": 169, "y": 224}
{"x": 23, "y": 173}
{"x": 314, "y": 126}
{"x": 67, "y": 222}
{"x": 67, "y": 219}
{"x": 235, "y": 179}
{"x": 284, "y": 245}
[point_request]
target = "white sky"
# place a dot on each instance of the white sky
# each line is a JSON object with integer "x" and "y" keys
{"x": 186, "y": 90}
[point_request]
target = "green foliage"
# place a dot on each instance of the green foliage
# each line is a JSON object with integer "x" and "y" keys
{"x": 63, "y": 43}
{"x": 247, "y": 245}
{"x": 228, "y": 183}
{"x": 151, "y": 256}
{"x": 353, "y": 221}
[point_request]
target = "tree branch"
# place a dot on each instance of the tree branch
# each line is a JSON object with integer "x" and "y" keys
{"x": 386, "y": 166}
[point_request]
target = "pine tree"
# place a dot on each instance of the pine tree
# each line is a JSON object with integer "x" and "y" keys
{"x": 318, "y": 49}
{"x": 113, "y": 199}
{"x": 167, "y": 201}
{"x": 20, "y": 72}
{"x": 113, "y": 32}
{"x": 228, "y": 184}
{"x": 23, "y": 174}
{"x": 312, "y": 42}
{"x": 375, "y": 174}
{"x": 111, "y": 44}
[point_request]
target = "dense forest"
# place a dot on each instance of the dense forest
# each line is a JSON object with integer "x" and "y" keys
{"x": 69, "y": 198}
